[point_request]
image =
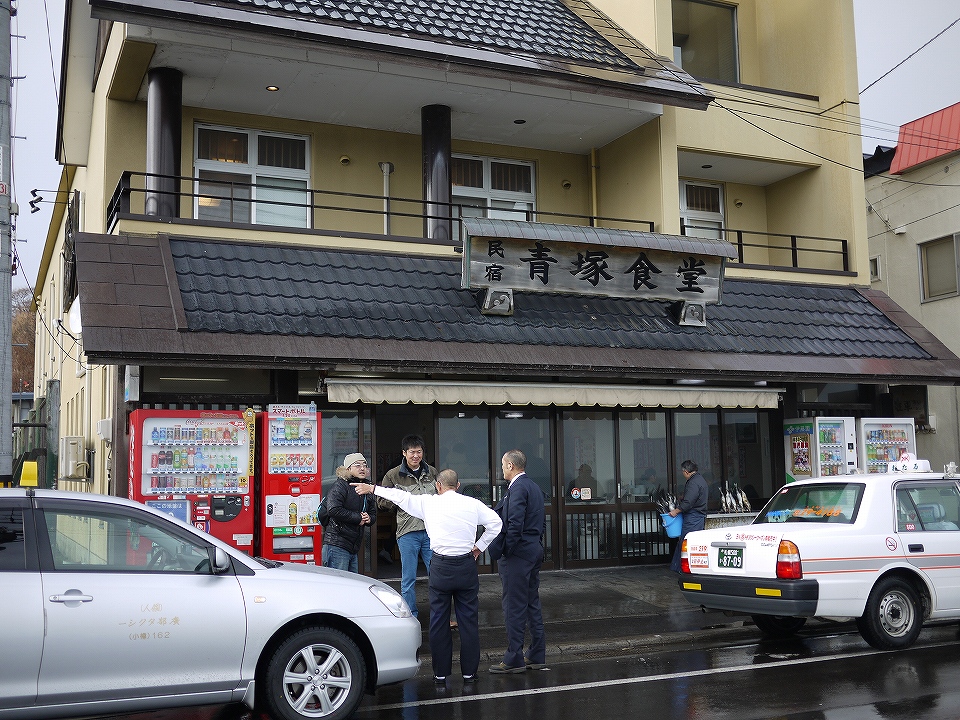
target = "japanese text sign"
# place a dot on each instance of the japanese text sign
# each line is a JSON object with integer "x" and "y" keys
{"x": 568, "y": 267}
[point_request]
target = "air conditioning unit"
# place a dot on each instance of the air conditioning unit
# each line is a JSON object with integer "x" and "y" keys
{"x": 72, "y": 462}
{"x": 105, "y": 429}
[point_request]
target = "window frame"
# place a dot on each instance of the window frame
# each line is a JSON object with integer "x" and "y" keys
{"x": 923, "y": 264}
{"x": 488, "y": 195}
{"x": 252, "y": 168}
{"x": 875, "y": 263}
{"x": 677, "y": 50}
{"x": 694, "y": 217}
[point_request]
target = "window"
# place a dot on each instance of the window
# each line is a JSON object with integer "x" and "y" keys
{"x": 463, "y": 438}
{"x": 643, "y": 455}
{"x": 705, "y": 39}
{"x": 248, "y": 176}
{"x": 875, "y": 269}
{"x": 487, "y": 187}
{"x": 701, "y": 210}
{"x": 831, "y": 502}
{"x": 588, "y": 457}
{"x": 928, "y": 508}
{"x": 13, "y": 557}
{"x": 98, "y": 540}
{"x": 938, "y": 268}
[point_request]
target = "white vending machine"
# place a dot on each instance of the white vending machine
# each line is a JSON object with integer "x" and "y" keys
{"x": 819, "y": 447}
{"x": 884, "y": 440}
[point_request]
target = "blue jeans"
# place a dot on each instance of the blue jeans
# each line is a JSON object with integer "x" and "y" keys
{"x": 339, "y": 559}
{"x": 413, "y": 546}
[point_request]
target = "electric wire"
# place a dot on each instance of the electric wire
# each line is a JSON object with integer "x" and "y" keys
{"x": 910, "y": 56}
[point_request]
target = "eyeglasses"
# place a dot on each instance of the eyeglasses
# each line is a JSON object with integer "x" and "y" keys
{"x": 358, "y": 464}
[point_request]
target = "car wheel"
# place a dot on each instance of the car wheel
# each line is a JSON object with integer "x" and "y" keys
{"x": 779, "y": 626}
{"x": 315, "y": 673}
{"x": 893, "y": 616}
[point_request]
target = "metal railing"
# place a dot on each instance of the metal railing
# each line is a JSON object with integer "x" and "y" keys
{"x": 239, "y": 203}
{"x": 782, "y": 251}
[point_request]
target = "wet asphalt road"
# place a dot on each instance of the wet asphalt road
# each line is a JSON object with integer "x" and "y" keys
{"x": 827, "y": 673}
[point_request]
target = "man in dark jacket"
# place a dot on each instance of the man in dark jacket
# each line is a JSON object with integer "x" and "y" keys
{"x": 519, "y": 552}
{"x": 350, "y": 514}
{"x": 693, "y": 505}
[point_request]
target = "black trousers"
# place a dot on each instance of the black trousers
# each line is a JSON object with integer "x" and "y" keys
{"x": 454, "y": 578}
{"x": 521, "y": 609}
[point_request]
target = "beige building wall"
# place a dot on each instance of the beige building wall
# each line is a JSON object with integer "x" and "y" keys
{"x": 902, "y": 216}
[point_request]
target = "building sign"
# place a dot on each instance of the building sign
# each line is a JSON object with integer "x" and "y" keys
{"x": 567, "y": 267}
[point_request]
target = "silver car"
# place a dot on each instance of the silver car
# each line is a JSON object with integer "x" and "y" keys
{"x": 111, "y": 606}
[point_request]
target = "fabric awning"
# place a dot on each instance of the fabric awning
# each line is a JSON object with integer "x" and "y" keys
{"x": 426, "y": 392}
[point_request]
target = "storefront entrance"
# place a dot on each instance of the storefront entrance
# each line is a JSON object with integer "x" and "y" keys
{"x": 598, "y": 469}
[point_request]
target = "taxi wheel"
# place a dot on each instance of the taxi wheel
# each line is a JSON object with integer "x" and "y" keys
{"x": 779, "y": 626}
{"x": 315, "y": 673}
{"x": 893, "y": 616}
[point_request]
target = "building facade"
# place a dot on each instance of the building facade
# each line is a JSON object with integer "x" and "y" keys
{"x": 913, "y": 232}
{"x": 412, "y": 214}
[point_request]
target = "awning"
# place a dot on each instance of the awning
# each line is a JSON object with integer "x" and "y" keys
{"x": 426, "y": 392}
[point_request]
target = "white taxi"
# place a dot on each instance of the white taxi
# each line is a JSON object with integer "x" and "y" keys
{"x": 883, "y": 549}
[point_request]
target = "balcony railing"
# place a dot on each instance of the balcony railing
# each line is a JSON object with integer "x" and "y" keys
{"x": 238, "y": 203}
{"x": 780, "y": 251}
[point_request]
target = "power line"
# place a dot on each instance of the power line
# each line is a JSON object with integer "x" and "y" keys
{"x": 910, "y": 56}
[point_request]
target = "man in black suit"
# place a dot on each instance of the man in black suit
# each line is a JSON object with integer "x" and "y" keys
{"x": 519, "y": 552}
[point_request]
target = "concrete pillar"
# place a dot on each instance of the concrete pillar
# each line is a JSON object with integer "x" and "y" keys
{"x": 164, "y": 121}
{"x": 435, "y": 141}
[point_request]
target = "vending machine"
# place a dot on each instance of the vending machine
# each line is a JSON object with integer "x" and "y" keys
{"x": 197, "y": 465}
{"x": 820, "y": 447}
{"x": 289, "y": 492}
{"x": 884, "y": 440}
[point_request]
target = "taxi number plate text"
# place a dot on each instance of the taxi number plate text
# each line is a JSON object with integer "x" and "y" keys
{"x": 730, "y": 558}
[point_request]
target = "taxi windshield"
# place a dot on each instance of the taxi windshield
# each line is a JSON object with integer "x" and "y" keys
{"x": 834, "y": 502}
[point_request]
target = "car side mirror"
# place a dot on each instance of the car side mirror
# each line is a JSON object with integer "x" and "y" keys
{"x": 219, "y": 560}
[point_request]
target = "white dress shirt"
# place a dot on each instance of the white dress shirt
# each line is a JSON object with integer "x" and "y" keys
{"x": 451, "y": 519}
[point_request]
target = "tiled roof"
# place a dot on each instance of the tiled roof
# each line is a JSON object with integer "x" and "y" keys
{"x": 545, "y": 27}
{"x": 256, "y": 289}
{"x": 195, "y": 301}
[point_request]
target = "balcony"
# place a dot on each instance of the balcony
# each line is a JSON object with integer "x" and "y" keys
{"x": 781, "y": 252}
{"x": 280, "y": 208}
{"x": 300, "y": 210}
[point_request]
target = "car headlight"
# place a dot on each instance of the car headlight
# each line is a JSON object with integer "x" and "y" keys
{"x": 391, "y": 600}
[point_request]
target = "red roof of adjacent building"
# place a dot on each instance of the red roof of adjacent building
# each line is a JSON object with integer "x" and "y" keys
{"x": 928, "y": 138}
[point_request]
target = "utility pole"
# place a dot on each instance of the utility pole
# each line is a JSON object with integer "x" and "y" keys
{"x": 6, "y": 257}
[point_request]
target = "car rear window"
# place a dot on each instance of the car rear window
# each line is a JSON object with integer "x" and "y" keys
{"x": 835, "y": 502}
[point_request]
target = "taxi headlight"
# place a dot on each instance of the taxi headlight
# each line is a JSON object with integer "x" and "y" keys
{"x": 391, "y": 600}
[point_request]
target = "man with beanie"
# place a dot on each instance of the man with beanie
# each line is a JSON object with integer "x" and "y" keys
{"x": 349, "y": 515}
{"x": 417, "y": 478}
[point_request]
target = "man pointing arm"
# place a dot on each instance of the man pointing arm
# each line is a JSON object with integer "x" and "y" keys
{"x": 451, "y": 521}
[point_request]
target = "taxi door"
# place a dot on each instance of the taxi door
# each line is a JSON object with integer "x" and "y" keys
{"x": 132, "y": 608}
{"x": 929, "y": 527}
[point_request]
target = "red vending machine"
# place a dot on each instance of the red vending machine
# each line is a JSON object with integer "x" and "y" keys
{"x": 290, "y": 493}
{"x": 197, "y": 465}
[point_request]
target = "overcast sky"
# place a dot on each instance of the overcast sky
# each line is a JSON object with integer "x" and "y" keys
{"x": 887, "y": 32}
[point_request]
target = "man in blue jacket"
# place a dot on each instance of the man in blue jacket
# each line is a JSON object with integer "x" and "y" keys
{"x": 518, "y": 552}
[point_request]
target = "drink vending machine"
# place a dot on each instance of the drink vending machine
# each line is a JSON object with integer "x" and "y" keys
{"x": 884, "y": 440}
{"x": 197, "y": 465}
{"x": 290, "y": 493}
{"x": 819, "y": 447}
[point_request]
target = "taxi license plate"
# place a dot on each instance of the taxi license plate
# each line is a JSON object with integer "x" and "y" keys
{"x": 730, "y": 558}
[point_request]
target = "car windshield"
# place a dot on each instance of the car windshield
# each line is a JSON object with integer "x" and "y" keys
{"x": 835, "y": 502}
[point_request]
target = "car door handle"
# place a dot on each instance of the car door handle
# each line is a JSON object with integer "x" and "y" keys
{"x": 915, "y": 548}
{"x": 71, "y": 598}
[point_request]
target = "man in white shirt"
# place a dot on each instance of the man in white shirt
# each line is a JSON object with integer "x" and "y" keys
{"x": 451, "y": 521}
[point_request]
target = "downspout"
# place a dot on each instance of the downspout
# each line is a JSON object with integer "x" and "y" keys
{"x": 386, "y": 168}
{"x": 594, "y": 209}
